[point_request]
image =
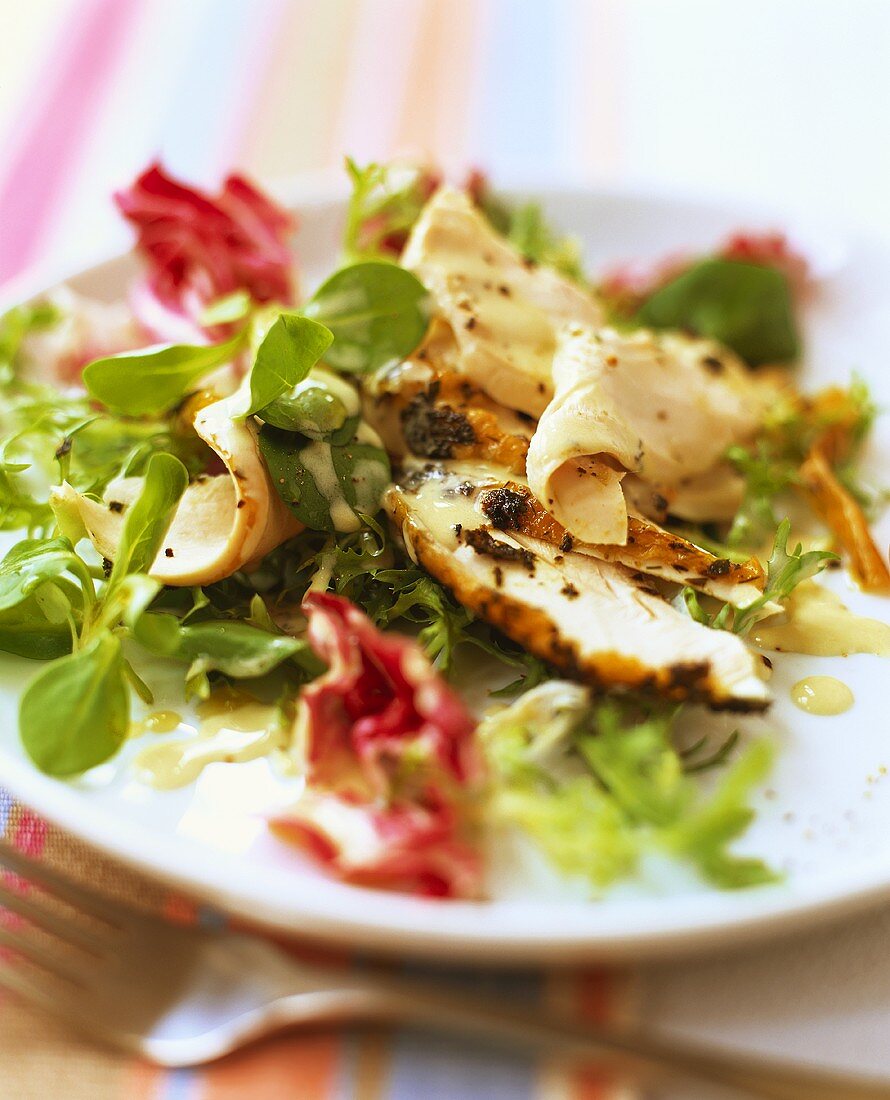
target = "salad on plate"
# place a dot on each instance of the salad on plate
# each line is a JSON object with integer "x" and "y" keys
{"x": 482, "y": 552}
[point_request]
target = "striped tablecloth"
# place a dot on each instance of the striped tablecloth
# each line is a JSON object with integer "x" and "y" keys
{"x": 770, "y": 101}
{"x": 91, "y": 90}
{"x": 40, "y": 1058}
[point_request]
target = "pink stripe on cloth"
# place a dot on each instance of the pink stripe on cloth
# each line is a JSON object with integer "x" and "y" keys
{"x": 30, "y": 834}
{"x": 69, "y": 91}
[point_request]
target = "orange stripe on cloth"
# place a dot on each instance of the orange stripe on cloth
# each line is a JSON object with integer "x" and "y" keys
{"x": 597, "y": 995}
{"x": 296, "y": 118}
{"x": 439, "y": 89}
{"x": 142, "y": 1081}
{"x": 301, "y": 1067}
{"x": 601, "y": 996}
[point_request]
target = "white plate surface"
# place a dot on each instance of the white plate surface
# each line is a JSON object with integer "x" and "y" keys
{"x": 823, "y": 817}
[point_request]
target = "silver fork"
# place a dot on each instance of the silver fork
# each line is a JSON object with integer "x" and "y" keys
{"x": 183, "y": 996}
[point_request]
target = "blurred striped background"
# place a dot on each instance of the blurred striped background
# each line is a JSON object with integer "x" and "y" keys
{"x": 766, "y": 99}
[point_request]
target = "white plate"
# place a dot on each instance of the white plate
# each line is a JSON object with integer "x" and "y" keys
{"x": 824, "y": 816}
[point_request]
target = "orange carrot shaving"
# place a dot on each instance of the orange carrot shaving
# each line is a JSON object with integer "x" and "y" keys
{"x": 842, "y": 513}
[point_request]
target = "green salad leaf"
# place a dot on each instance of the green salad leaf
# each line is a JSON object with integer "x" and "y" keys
{"x": 223, "y": 645}
{"x": 712, "y": 823}
{"x": 32, "y": 563}
{"x": 528, "y": 230}
{"x": 151, "y": 381}
{"x": 784, "y": 573}
{"x": 288, "y": 351}
{"x": 327, "y": 486}
{"x": 385, "y": 203}
{"x": 75, "y": 713}
{"x": 767, "y": 475}
{"x": 149, "y": 516}
{"x": 314, "y": 411}
{"x": 598, "y": 786}
{"x": 376, "y": 312}
{"x": 35, "y": 629}
{"x": 748, "y": 307}
{"x": 18, "y": 323}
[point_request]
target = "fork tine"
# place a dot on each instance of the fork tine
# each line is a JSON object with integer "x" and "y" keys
{"x": 63, "y": 928}
{"x": 40, "y": 956}
{"x": 47, "y": 994}
{"x": 76, "y": 896}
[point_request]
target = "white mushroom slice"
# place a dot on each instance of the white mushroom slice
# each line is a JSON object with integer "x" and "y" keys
{"x": 593, "y": 619}
{"x": 504, "y": 311}
{"x": 222, "y": 523}
{"x": 663, "y": 406}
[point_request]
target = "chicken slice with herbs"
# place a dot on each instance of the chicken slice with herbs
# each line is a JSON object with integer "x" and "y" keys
{"x": 663, "y": 407}
{"x": 594, "y": 620}
{"x": 504, "y": 310}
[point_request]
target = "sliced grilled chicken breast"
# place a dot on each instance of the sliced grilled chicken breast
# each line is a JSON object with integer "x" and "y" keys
{"x": 649, "y": 548}
{"x": 504, "y": 310}
{"x": 595, "y": 620}
{"x": 662, "y": 406}
{"x": 423, "y": 406}
{"x": 221, "y": 524}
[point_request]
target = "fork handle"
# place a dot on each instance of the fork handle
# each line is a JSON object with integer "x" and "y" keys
{"x": 639, "y": 1055}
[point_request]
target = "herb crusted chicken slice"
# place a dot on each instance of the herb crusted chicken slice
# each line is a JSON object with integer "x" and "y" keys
{"x": 424, "y": 409}
{"x": 649, "y": 548}
{"x": 595, "y": 620}
{"x": 504, "y": 310}
{"x": 663, "y": 407}
{"x": 223, "y": 521}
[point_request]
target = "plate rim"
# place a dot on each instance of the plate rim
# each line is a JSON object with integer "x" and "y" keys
{"x": 467, "y": 931}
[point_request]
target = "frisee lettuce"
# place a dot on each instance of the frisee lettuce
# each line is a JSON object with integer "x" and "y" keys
{"x": 598, "y": 785}
{"x": 770, "y": 465}
{"x": 529, "y": 231}
{"x": 385, "y": 203}
{"x": 785, "y": 571}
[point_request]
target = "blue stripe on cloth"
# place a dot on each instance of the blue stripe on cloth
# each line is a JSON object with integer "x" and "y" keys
{"x": 440, "y": 1067}
{"x": 197, "y": 129}
{"x": 180, "y": 1084}
{"x": 435, "y": 1067}
{"x": 518, "y": 123}
{"x": 5, "y": 809}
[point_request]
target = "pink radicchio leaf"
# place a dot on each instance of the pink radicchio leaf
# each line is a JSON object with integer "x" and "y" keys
{"x": 627, "y": 285}
{"x": 391, "y": 761}
{"x": 380, "y": 699}
{"x": 770, "y": 250}
{"x": 411, "y": 847}
{"x": 198, "y": 247}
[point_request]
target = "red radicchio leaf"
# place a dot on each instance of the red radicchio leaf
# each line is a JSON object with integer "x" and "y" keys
{"x": 198, "y": 247}
{"x": 390, "y": 753}
{"x": 627, "y": 285}
{"x": 405, "y": 846}
{"x": 379, "y": 698}
{"x": 769, "y": 250}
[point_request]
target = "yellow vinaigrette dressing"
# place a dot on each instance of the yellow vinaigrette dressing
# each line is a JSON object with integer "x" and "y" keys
{"x": 234, "y": 727}
{"x": 159, "y": 721}
{"x": 818, "y": 623}
{"x": 823, "y": 695}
